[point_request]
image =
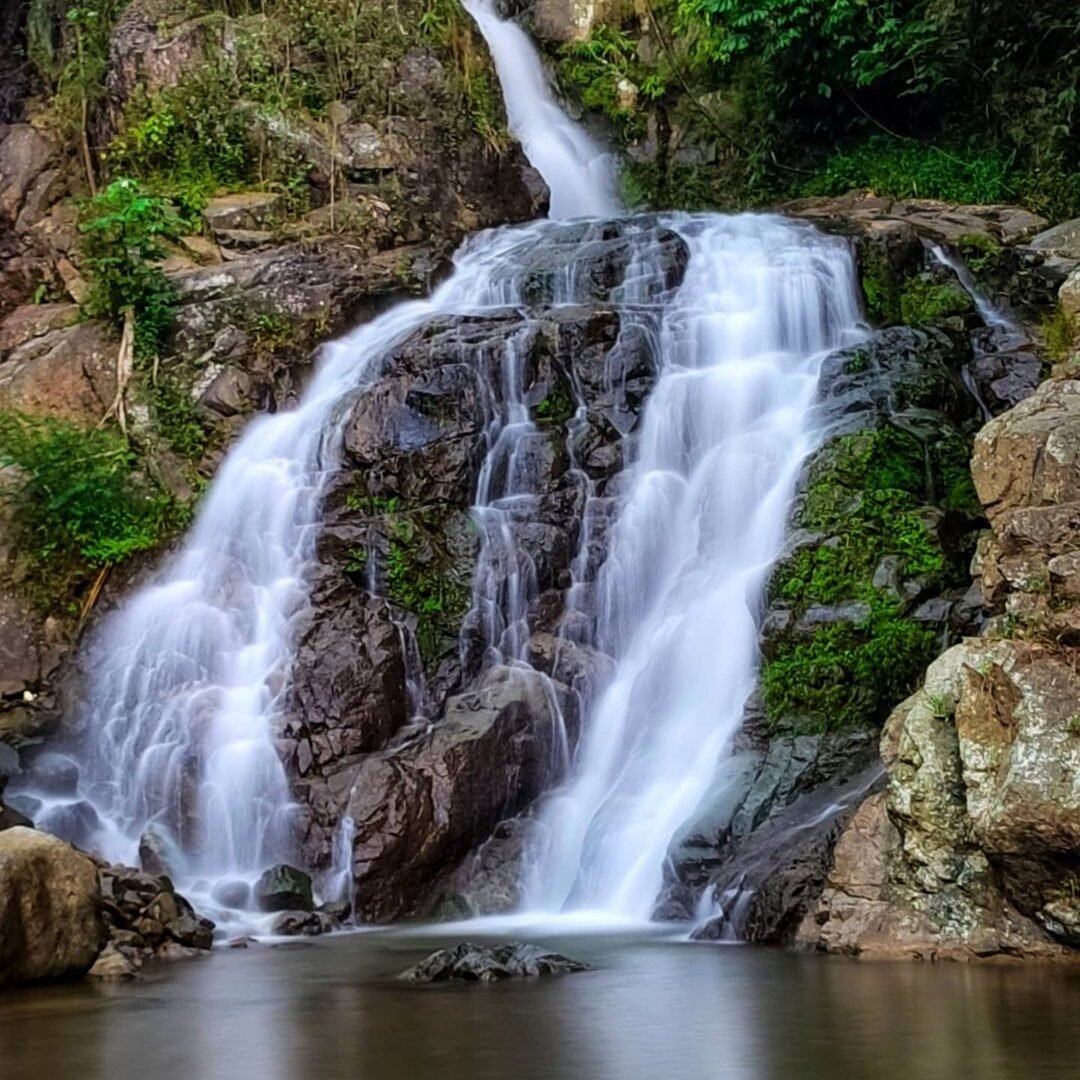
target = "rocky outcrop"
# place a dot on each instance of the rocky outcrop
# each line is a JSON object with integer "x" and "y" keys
{"x": 475, "y": 963}
{"x": 394, "y": 639}
{"x": 971, "y": 851}
{"x": 51, "y": 924}
{"x": 146, "y": 919}
{"x": 418, "y": 809}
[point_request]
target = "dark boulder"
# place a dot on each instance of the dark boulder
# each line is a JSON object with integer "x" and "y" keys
{"x": 478, "y": 963}
{"x": 284, "y": 888}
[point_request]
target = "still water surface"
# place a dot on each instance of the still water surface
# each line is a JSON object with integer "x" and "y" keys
{"x": 652, "y": 1010}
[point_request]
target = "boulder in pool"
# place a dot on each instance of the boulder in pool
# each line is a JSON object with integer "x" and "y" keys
{"x": 284, "y": 888}
{"x": 481, "y": 963}
{"x": 50, "y": 909}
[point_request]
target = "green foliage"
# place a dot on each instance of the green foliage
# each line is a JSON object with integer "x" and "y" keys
{"x": 557, "y": 407}
{"x": 68, "y": 44}
{"x": 122, "y": 230}
{"x": 78, "y": 501}
{"x": 190, "y": 140}
{"x": 923, "y": 302}
{"x": 980, "y": 252}
{"x": 965, "y": 100}
{"x": 178, "y": 419}
{"x": 420, "y": 582}
{"x": 906, "y": 169}
{"x": 594, "y": 68}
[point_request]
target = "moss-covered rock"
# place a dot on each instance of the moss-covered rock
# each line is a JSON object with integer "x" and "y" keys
{"x": 882, "y": 530}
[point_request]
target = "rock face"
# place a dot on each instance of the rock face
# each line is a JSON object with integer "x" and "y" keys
{"x": 419, "y": 809}
{"x": 475, "y": 963}
{"x": 971, "y": 851}
{"x": 402, "y": 718}
{"x": 51, "y": 925}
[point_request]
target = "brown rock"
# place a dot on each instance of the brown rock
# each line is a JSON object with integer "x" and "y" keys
{"x": 1030, "y": 455}
{"x": 50, "y": 913}
{"x": 69, "y": 374}
{"x": 420, "y": 808}
{"x": 33, "y": 321}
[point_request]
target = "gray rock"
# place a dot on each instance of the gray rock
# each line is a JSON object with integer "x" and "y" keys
{"x": 302, "y": 924}
{"x": 476, "y": 963}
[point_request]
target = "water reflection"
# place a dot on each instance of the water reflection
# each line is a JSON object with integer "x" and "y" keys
{"x": 652, "y": 1010}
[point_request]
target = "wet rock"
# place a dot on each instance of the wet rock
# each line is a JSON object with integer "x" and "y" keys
{"x": 284, "y": 888}
{"x": 490, "y": 881}
{"x": 1005, "y": 369}
{"x": 232, "y": 894}
{"x": 50, "y": 921}
{"x": 577, "y": 263}
{"x": 157, "y": 853}
{"x": 476, "y": 963}
{"x": 776, "y": 875}
{"x": 302, "y": 924}
{"x": 191, "y": 932}
{"x": 422, "y": 807}
{"x": 337, "y": 911}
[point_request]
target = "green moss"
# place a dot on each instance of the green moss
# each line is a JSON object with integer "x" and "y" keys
{"x": 924, "y": 302}
{"x": 557, "y": 408}
{"x": 420, "y": 580}
{"x": 867, "y": 494}
{"x": 842, "y": 676}
{"x": 1061, "y": 334}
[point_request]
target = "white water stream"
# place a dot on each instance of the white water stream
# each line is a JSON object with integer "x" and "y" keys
{"x": 177, "y": 722}
{"x": 723, "y": 438}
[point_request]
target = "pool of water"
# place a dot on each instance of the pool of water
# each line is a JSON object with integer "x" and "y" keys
{"x": 652, "y": 1008}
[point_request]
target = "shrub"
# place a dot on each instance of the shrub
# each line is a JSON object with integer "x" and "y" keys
{"x": 122, "y": 230}
{"x": 78, "y": 501}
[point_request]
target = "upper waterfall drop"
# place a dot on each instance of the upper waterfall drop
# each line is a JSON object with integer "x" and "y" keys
{"x": 579, "y": 174}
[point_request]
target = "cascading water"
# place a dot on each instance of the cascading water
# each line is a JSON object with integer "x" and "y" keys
{"x": 175, "y": 733}
{"x": 579, "y": 175}
{"x": 176, "y": 730}
{"x": 723, "y": 437}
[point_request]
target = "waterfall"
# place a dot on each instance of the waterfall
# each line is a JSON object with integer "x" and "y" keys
{"x": 173, "y": 741}
{"x": 174, "y": 738}
{"x": 722, "y": 441}
{"x": 579, "y": 175}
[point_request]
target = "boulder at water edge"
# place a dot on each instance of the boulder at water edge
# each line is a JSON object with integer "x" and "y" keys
{"x": 284, "y": 888}
{"x": 479, "y": 963}
{"x": 50, "y": 909}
